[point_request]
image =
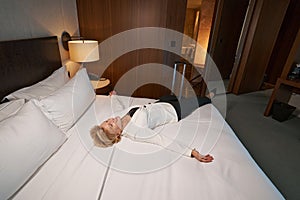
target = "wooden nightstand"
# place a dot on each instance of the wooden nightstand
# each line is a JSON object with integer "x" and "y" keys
{"x": 102, "y": 86}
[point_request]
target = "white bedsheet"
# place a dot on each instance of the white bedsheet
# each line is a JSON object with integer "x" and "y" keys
{"x": 76, "y": 172}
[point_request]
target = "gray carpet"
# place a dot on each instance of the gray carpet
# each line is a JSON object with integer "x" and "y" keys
{"x": 274, "y": 145}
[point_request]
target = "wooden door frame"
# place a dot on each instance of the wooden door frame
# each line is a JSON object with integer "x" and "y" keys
{"x": 241, "y": 45}
{"x": 215, "y": 27}
{"x": 242, "y": 40}
{"x": 212, "y": 39}
{"x": 259, "y": 43}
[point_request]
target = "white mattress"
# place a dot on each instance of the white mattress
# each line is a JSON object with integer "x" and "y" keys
{"x": 80, "y": 171}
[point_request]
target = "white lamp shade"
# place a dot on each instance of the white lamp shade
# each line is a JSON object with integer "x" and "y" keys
{"x": 83, "y": 50}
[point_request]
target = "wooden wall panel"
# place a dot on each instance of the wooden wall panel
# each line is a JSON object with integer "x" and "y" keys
{"x": 176, "y": 11}
{"x": 101, "y": 19}
{"x": 259, "y": 44}
{"x": 121, "y": 66}
{"x": 94, "y": 19}
{"x": 124, "y": 15}
{"x": 286, "y": 37}
{"x": 231, "y": 23}
{"x": 154, "y": 88}
{"x": 150, "y": 56}
{"x": 152, "y": 13}
{"x": 175, "y": 15}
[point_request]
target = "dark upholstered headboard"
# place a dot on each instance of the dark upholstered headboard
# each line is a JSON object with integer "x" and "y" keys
{"x": 25, "y": 62}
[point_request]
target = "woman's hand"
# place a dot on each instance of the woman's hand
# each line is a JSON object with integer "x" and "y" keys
{"x": 112, "y": 93}
{"x": 207, "y": 158}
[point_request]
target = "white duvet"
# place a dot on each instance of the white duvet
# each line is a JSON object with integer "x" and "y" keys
{"x": 78, "y": 170}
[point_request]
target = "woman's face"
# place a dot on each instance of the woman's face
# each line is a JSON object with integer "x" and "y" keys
{"x": 112, "y": 127}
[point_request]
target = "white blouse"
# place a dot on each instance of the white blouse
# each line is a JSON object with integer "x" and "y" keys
{"x": 142, "y": 124}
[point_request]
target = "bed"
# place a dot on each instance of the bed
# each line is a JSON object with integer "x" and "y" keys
{"x": 46, "y": 151}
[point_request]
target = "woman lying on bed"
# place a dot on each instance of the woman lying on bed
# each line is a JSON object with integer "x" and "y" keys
{"x": 139, "y": 122}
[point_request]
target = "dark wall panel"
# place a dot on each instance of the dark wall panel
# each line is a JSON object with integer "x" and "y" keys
{"x": 102, "y": 19}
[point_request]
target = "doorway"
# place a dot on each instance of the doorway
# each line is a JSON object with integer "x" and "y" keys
{"x": 198, "y": 24}
{"x": 216, "y": 25}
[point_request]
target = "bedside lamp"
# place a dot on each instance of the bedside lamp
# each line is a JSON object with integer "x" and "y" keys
{"x": 80, "y": 50}
{"x": 87, "y": 51}
{"x": 83, "y": 50}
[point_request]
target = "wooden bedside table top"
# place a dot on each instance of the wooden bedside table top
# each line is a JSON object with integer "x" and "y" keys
{"x": 97, "y": 84}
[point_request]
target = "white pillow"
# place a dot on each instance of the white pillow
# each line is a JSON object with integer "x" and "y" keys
{"x": 10, "y": 108}
{"x": 66, "y": 105}
{"x": 43, "y": 88}
{"x": 27, "y": 140}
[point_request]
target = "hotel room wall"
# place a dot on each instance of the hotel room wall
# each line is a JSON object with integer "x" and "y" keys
{"x": 102, "y": 19}
{"x": 31, "y": 18}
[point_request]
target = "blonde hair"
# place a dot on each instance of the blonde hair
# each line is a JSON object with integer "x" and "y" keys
{"x": 102, "y": 139}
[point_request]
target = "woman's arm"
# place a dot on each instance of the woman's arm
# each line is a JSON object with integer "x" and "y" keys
{"x": 146, "y": 135}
